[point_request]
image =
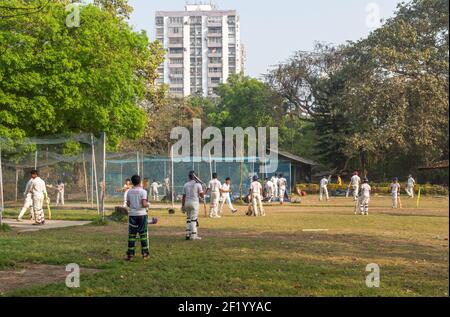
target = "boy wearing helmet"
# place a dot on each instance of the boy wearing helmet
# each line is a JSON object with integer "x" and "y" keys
{"x": 256, "y": 197}
{"x": 364, "y": 198}
{"x": 395, "y": 192}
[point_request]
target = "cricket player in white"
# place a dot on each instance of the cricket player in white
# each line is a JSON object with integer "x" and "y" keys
{"x": 154, "y": 188}
{"x": 354, "y": 184}
{"x": 282, "y": 185}
{"x": 364, "y": 198}
{"x": 214, "y": 187}
{"x": 192, "y": 192}
{"x": 269, "y": 190}
{"x": 60, "y": 193}
{"x": 28, "y": 203}
{"x": 225, "y": 191}
{"x": 274, "y": 180}
{"x": 38, "y": 192}
{"x": 395, "y": 191}
{"x": 324, "y": 189}
{"x": 410, "y": 186}
{"x": 256, "y": 196}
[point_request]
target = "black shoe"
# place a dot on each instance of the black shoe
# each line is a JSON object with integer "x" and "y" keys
{"x": 188, "y": 238}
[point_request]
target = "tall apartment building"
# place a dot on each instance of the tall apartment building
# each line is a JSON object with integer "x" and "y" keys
{"x": 203, "y": 48}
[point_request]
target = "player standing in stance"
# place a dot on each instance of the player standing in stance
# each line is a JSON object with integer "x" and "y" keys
{"x": 410, "y": 186}
{"x": 60, "y": 193}
{"x": 355, "y": 182}
{"x": 256, "y": 196}
{"x": 225, "y": 193}
{"x": 324, "y": 189}
{"x": 28, "y": 203}
{"x": 190, "y": 204}
{"x": 274, "y": 180}
{"x": 126, "y": 187}
{"x": 154, "y": 189}
{"x": 214, "y": 186}
{"x": 38, "y": 192}
{"x": 137, "y": 201}
{"x": 269, "y": 189}
{"x": 364, "y": 198}
{"x": 395, "y": 191}
{"x": 282, "y": 185}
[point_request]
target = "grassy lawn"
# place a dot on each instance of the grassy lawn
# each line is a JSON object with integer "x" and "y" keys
{"x": 242, "y": 256}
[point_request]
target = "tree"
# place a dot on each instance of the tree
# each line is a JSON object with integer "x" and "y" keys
{"x": 60, "y": 80}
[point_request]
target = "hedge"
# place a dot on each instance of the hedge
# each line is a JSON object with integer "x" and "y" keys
{"x": 379, "y": 188}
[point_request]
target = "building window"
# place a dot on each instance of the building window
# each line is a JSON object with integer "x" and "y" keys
{"x": 215, "y": 40}
{"x": 175, "y": 40}
{"x": 215, "y": 60}
{"x": 215, "y": 50}
{"x": 176, "y": 61}
{"x": 159, "y": 21}
{"x": 175, "y": 30}
{"x": 176, "y": 50}
{"x": 215, "y": 80}
{"x": 213, "y": 70}
{"x": 175, "y": 20}
{"x": 176, "y": 71}
{"x": 215, "y": 30}
{"x": 176, "y": 81}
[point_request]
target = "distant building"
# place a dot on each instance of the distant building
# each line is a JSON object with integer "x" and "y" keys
{"x": 203, "y": 48}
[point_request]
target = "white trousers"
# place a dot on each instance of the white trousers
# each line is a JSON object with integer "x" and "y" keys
{"x": 38, "y": 203}
{"x": 225, "y": 199}
{"x": 282, "y": 191}
{"x": 214, "y": 205}
{"x": 257, "y": 205}
{"x": 28, "y": 204}
{"x": 323, "y": 192}
{"x": 269, "y": 194}
{"x": 275, "y": 190}
{"x": 364, "y": 204}
{"x": 394, "y": 200}
{"x": 155, "y": 194}
{"x": 355, "y": 192}
{"x": 410, "y": 190}
{"x": 60, "y": 198}
{"x": 125, "y": 199}
{"x": 191, "y": 208}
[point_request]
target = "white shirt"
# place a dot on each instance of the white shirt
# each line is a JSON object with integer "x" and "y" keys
{"x": 214, "y": 185}
{"x": 226, "y": 189}
{"x": 365, "y": 190}
{"x": 356, "y": 180}
{"x": 135, "y": 196}
{"x": 411, "y": 181}
{"x": 282, "y": 183}
{"x": 154, "y": 186}
{"x": 323, "y": 182}
{"x": 274, "y": 181}
{"x": 192, "y": 190}
{"x": 269, "y": 185}
{"x": 395, "y": 187}
{"x": 256, "y": 187}
{"x": 60, "y": 188}
{"x": 38, "y": 187}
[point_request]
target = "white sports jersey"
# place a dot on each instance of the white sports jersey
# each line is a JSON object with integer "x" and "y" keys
{"x": 214, "y": 185}
{"x": 38, "y": 186}
{"x": 395, "y": 188}
{"x": 269, "y": 185}
{"x": 154, "y": 186}
{"x": 135, "y": 196}
{"x": 226, "y": 188}
{"x": 274, "y": 181}
{"x": 365, "y": 190}
{"x": 192, "y": 190}
{"x": 411, "y": 181}
{"x": 282, "y": 183}
{"x": 356, "y": 180}
{"x": 323, "y": 182}
{"x": 60, "y": 187}
{"x": 256, "y": 187}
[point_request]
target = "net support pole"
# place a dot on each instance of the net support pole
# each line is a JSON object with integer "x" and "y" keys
{"x": 103, "y": 175}
{"x": 95, "y": 180}
{"x": 171, "y": 175}
{"x": 137, "y": 163}
{"x": 17, "y": 184}
{"x": 92, "y": 171}
{"x": 210, "y": 165}
{"x": 2, "y": 203}
{"x": 85, "y": 179}
{"x": 35, "y": 159}
{"x": 142, "y": 162}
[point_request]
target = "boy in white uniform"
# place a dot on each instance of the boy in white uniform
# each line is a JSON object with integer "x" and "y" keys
{"x": 225, "y": 193}
{"x": 60, "y": 193}
{"x": 214, "y": 186}
{"x": 154, "y": 189}
{"x": 192, "y": 192}
{"x": 354, "y": 184}
{"x": 364, "y": 198}
{"x": 395, "y": 191}
{"x": 28, "y": 203}
{"x": 255, "y": 193}
{"x": 126, "y": 187}
{"x": 323, "y": 188}
{"x": 410, "y": 186}
{"x": 282, "y": 185}
{"x": 38, "y": 192}
{"x": 274, "y": 181}
{"x": 269, "y": 190}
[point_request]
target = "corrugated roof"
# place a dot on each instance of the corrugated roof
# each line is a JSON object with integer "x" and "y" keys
{"x": 296, "y": 158}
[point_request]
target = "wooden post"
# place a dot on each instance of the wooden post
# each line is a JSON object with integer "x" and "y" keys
{"x": 85, "y": 179}
{"x": 17, "y": 184}
{"x": 171, "y": 173}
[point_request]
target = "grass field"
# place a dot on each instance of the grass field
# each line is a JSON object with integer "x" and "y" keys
{"x": 243, "y": 256}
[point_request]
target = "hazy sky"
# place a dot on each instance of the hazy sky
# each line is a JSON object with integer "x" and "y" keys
{"x": 272, "y": 30}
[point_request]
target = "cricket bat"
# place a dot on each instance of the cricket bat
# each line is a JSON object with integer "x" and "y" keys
{"x": 49, "y": 209}
{"x": 399, "y": 202}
